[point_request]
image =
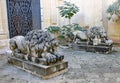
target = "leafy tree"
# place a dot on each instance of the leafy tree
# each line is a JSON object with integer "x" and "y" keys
{"x": 67, "y": 10}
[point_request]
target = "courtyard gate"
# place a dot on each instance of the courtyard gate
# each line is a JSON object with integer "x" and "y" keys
{"x": 23, "y": 16}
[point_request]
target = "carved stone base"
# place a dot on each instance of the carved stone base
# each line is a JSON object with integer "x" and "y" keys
{"x": 101, "y": 48}
{"x": 80, "y": 46}
{"x": 39, "y": 70}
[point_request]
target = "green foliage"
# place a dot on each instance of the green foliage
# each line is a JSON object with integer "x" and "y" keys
{"x": 78, "y": 27}
{"x": 53, "y": 29}
{"x": 65, "y": 33}
{"x": 114, "y": 9}
{"x": 68, "y": 10}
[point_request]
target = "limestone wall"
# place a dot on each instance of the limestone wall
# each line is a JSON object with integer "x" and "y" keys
{"x": 89, "y": 14}
{"x": 113, "y": 27}
{"x": 92, "y": 12}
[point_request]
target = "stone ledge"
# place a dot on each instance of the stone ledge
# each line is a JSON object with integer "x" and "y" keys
{"x": 39, "y": 70}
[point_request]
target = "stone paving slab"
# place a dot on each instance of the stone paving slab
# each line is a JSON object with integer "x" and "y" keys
{"x": 84, "y": 67}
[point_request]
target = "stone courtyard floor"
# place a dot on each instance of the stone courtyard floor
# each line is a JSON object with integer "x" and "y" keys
{"x": 84, "y": 67}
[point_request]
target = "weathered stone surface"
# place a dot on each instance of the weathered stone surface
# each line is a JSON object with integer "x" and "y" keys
{"x": 39, "y": 70}
{"x": 93, "y": 48}
{"x": 97, "y": 41}
{"x": 80, "y": 46}
{"x": 37, "y": 53}
{"x": 37, "y": 46}
{"x": 99, "y": 48}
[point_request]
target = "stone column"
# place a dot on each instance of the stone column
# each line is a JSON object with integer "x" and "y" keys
{"x": 0, "y": 20}
{"x": 104, "y": 14}
{"x": 4, "y": 34}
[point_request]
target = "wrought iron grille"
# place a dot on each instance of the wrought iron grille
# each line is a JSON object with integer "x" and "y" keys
{"x": 19, "y": 17}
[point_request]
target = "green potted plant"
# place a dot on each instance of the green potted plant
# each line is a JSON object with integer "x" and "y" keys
{"x": 68, "y": 10}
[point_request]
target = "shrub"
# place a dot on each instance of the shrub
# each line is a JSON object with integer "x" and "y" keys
{"x": 53, "y": 29}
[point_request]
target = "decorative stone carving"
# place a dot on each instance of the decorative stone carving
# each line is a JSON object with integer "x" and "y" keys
{"x": 35, "y": 45}
{"x": 94, "y": 39}
{"x": 79, "y": 36}
{"x": 99, "y": 34}
{"x": 37, "y": 53}
{"x": 18, "y": 44}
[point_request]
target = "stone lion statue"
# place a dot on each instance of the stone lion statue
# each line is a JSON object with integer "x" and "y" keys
{"x": 100, "y": 33}
{"x": 90, "y": 34}
{"x": 79, "y": 36}
{"x": 36, "y": 43}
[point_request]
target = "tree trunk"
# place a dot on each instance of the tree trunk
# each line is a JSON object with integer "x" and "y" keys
{"x": 69, "y": 21}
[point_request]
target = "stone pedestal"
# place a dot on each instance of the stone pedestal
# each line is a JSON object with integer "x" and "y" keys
{"x": 100, "y": 48}
{"x": 39, "y": 70}
{"x": 80, "y": 46}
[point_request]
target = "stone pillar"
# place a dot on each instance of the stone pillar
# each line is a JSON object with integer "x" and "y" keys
{"x": 4, "y": 34}
{"x": 104, "y": 14}
{"x": 0, "y": 19}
